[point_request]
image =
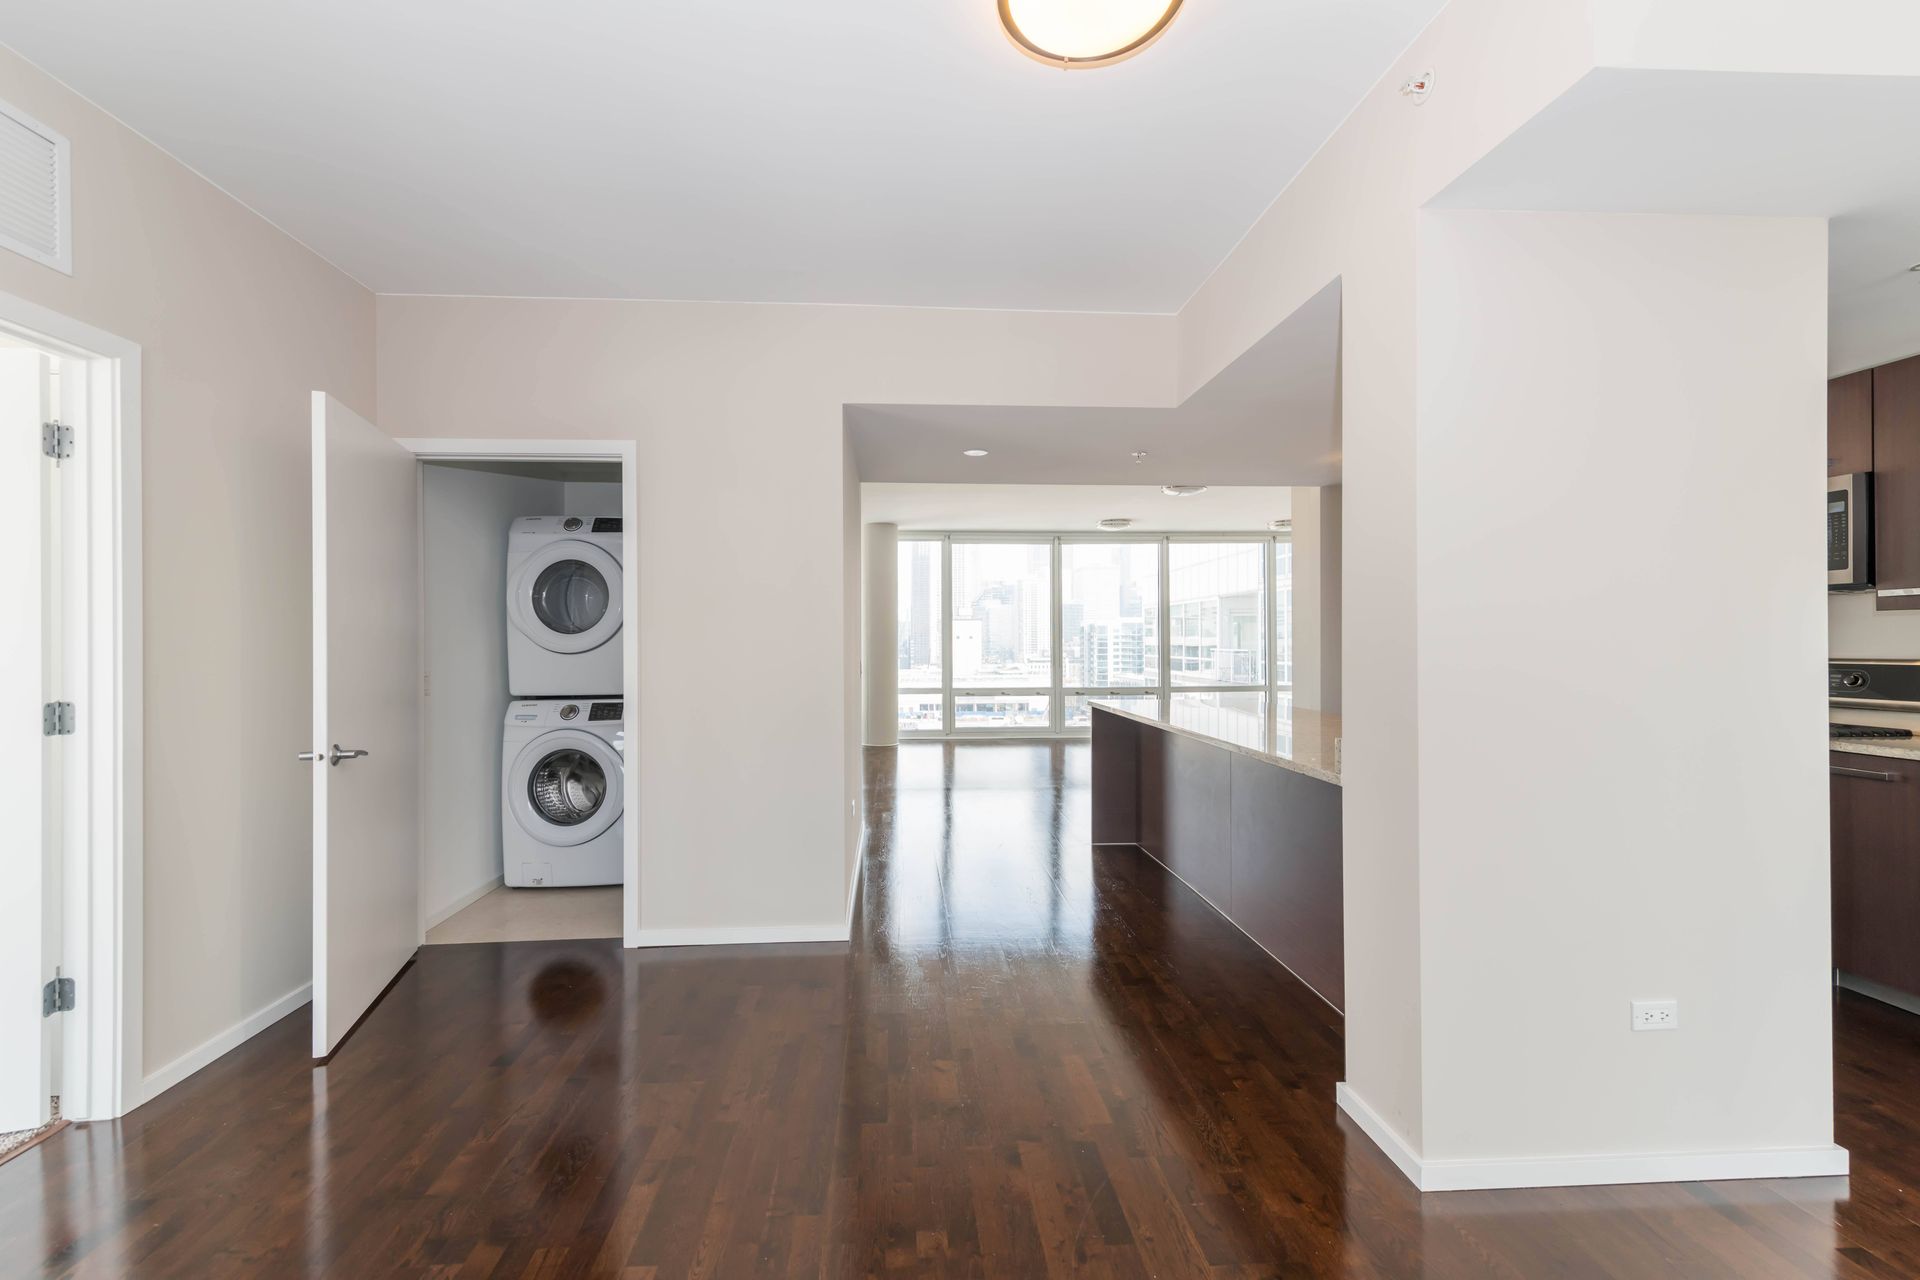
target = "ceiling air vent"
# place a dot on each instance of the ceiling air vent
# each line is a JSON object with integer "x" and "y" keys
{"x": 35, "y": 219}
{"x": 1113, "y": 524}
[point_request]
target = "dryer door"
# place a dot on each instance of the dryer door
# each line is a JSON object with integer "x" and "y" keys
{"x": 566, "y": 787}
{"x": 566, "y": 597}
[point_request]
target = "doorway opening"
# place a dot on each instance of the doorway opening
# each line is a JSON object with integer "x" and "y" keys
{"x": 525, "y": 727}
{"x": 70, "y": 936}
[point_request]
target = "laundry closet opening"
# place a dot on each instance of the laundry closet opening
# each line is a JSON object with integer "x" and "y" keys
{"x": 525, "y": 722}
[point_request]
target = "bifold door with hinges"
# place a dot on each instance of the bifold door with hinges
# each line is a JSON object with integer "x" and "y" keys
{"x": 34, "y": 733}
{"x": 365, "y": 750}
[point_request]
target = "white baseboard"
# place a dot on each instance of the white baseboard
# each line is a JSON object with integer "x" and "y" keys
{"x": 460, "y": 904}
{"x": 1384, "y": 1135}
{"x": 748, "y": 935}
{"x": 1827, "y": 1161}
{"x": 158, "y": 1082}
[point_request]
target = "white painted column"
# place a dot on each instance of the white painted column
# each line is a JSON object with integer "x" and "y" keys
{"x": 882, "y": 631}
{"x": 1620, "y": 719}
{"x": 1316, "y": 598}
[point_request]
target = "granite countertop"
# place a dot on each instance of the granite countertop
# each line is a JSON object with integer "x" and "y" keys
{"x": 1890, "y": 748}
{"x": 1291, "y": 737}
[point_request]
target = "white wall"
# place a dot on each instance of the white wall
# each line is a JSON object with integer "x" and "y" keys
{"x": 238, "y": 325}
{"x": 1598, "y": 823}
{"x": 465, "y": 515}
{"x": 590, "y": 498}
{"x": 748, "y": 748}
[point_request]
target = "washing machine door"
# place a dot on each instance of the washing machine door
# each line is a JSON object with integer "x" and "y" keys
{"x": 566, "y": 787}
{"x": 566, "y": 596}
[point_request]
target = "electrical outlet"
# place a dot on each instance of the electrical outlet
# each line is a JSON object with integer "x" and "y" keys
{"x": 1656, "y": 1015}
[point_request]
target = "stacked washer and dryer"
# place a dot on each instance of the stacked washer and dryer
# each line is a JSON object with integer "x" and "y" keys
{"x": 562, "y": 759}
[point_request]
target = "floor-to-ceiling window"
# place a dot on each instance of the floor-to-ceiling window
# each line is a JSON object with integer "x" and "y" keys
{"x": 1015, "y": 634}
{"x": 1002, "y": 632}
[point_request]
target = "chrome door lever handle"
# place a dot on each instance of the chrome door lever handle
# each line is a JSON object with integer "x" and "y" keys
{"x": 335, "y": 756}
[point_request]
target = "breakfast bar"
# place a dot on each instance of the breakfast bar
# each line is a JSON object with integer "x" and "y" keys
{"x": 1237, "y": 794}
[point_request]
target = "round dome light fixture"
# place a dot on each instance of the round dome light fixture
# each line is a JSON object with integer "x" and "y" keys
{"x": 1085, "y": 33}
{"x": 1280, "y": 526}
{"x": 1113, "y": 524}
{"x": 975, "y": 453}
{"x": 1182, "y": 490}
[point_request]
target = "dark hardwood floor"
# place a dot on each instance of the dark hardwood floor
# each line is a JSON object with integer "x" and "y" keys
{"x": 1033, "y": 1061}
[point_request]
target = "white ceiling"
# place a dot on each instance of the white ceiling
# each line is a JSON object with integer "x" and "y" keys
{"x": 1071, "y": 508}
{"x": 870, "y": 151}
{"x": 1267, "y": 419}
{"x": 1840, "y": 147}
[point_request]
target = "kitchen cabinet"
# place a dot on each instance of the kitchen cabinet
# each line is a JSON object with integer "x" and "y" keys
{"x": 1876, "y": 868}
{"x": 1850, "y": 424}
{"x": 1896, "y": 484}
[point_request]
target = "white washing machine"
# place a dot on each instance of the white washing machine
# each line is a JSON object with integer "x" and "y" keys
{"x": 563, "y": 789}
{"x": 563, "y": 607}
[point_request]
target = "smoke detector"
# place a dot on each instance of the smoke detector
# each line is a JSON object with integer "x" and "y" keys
{"x": 1113, "y": 524}
{"x": 1182, "y": 490}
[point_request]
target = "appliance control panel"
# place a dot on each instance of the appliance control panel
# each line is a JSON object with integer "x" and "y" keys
{"x": 607, "y": 711}
{"x": 1874, "y": 683}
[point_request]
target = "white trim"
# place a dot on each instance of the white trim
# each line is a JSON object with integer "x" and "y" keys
{"x": 104, "y": 885}
{"x": 627, "y": 454}
{"x": 459, "y": 904}
{"x": 1384, "y": 1136}
{"x": 743, "y": 935}
{"x": 208, "y": 1051}
{"x": 1508, "y": 1172}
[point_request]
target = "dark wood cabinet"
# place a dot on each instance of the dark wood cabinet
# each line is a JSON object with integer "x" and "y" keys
{"x": 1896, "y": 483}
{"x": 1876, "y": 868}
{"x": 1850, "y": 424}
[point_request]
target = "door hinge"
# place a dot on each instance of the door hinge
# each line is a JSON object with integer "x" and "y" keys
{"x": 57, "y": 996}
{"x": 57, "y": 719}
{"x": 56, "y": 441}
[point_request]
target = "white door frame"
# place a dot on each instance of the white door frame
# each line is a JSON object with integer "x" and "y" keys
{"x": 103, "y": 900}
{"x": 626, "y": 453}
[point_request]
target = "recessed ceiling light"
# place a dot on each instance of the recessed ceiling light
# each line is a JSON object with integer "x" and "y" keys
{"x": 1182, "y": 490}
{"x": 975, "y": 453}
{"x": 1080, "y": 33}
{"x": 1116, "y": 523}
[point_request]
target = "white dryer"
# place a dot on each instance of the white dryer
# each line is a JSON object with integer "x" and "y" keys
{"x": 563, "y": 606}
{"x": 563, "y": 790}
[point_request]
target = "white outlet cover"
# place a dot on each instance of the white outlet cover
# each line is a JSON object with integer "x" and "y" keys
{"x": 1656, "y": 1015}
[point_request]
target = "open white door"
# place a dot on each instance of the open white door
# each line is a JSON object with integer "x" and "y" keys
{"x": 365, "y": 755}
{"x": 29, "y": 918}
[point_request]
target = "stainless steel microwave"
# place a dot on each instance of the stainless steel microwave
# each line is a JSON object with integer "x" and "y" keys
{"x": 1849, "y": 532}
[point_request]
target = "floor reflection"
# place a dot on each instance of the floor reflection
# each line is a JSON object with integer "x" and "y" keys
{"x": 1033, "y": 1059}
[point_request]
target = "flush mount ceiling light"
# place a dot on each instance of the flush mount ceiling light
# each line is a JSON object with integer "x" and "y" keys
{"x": 1115, "y": 523}
{"x": 1182, "y": 490}
{"x": 1085, "y": 33}
{"x": 975, "y": 453}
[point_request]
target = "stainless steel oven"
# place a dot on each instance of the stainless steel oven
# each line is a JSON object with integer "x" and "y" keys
{"x": 1849, "y": 532}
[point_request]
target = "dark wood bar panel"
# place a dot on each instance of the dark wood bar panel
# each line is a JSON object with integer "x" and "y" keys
{"x": 1250, "y": 827}
{"x": 1286, "y": 871}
